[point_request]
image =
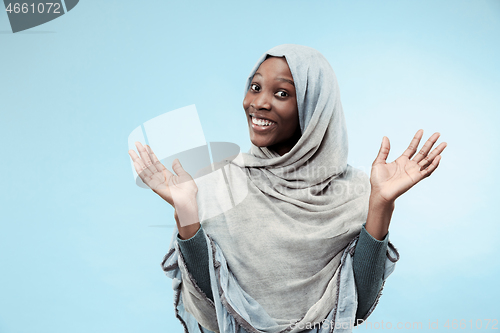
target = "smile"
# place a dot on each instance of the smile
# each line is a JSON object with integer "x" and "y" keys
{"x": 261, "y": 125}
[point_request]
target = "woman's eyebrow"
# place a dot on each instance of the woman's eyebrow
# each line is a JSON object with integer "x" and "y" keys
{"x": 285, "y": 80}
{"x": 278, "y": 79}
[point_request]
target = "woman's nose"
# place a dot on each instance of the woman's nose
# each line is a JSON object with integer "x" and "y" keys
{"x": 261, "y": 102}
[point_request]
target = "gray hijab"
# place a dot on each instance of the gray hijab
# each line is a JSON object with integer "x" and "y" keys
{"x": 284, "y": 234}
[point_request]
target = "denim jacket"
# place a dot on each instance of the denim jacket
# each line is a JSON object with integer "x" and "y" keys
{"x": 234, "y": 311}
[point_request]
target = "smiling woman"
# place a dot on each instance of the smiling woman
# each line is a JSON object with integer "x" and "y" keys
{"x": 309, "y": 242}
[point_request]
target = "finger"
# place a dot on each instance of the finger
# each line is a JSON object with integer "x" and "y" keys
{"x": 436, "y": 152}
{"x": 144, "y": 154}
{"x": 148, "y": 170}
{"x": 412, "y": 148}
{"x": 146, "y": 159}
{"x": 153, "y": 163}
{"x": 426, "y": 148}
{"x": 177, "y": 167}
{"x": 153, "y": 159}
{"x": 383, "y": 152}
{"x": 139, "y": 165}
{"x": 427, "y": 172}
{"x": 158, "y": 165}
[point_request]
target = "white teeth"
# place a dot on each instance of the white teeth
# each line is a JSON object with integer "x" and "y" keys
{"x": 261, "y": 122}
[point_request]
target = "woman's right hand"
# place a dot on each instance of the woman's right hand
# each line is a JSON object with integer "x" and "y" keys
{"x": 179, "y": 188}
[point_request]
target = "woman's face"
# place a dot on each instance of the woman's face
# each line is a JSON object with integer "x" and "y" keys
{"x": 271, "y": 107}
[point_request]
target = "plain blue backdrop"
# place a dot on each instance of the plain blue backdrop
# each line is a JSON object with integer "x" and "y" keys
{"x": 77, "y": 250}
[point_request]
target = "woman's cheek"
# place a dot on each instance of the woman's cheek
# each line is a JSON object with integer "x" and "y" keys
{"x": 246, "y": 102}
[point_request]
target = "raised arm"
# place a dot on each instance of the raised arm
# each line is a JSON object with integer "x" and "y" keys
{"x": 388, "y": 182}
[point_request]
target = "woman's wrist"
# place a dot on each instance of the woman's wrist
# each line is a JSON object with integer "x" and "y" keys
{"x": 186, "y": 231}
{"x": 378, "y": 201}
{"x": 379, "y": 216}
{"x": 186, "y": 217}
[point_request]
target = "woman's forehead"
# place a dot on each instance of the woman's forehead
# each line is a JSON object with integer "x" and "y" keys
{"x": 276, "y": 66}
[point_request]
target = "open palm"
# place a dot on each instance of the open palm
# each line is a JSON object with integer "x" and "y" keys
{"x": 179, "y": 187}
{"x": 390, "y": 180}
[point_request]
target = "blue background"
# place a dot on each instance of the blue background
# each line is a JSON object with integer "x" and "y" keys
{"x": 77, "y": 253}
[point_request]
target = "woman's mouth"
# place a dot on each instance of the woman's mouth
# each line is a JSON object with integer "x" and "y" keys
{"x": 262, "y": 125}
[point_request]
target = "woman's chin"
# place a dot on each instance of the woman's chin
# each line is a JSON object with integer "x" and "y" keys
{"x": 260, "y": 143}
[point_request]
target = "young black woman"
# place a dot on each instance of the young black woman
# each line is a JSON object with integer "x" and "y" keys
{"x": 283, "y": 248}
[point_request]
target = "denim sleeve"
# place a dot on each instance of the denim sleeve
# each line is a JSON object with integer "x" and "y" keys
{"x": 195, "y": 253}
{"x": 368, "y": 265}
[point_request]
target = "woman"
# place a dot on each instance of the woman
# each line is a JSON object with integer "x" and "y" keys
{"x": 279, "y": 260}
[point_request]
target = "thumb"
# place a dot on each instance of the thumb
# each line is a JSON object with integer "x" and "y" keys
{"x": 177, "y": 167}
{"x": 385, "y": 147}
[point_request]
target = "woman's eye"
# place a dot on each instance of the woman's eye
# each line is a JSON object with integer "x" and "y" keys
{"x": 282, "y": 94}
{"x": 255, "y": 87}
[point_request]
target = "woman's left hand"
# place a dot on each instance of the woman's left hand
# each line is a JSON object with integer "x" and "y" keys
{"x": 390, "y": 180}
